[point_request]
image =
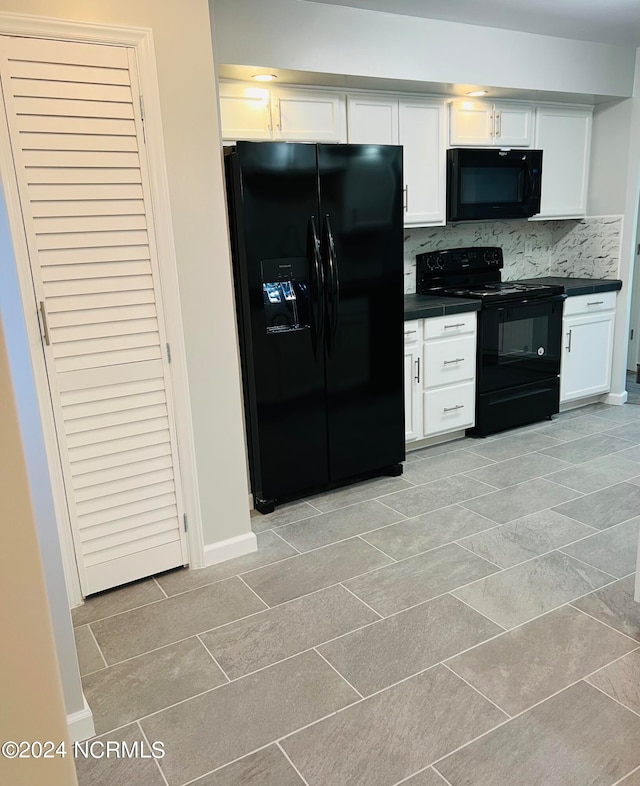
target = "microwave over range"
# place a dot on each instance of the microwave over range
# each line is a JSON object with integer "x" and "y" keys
{"x": 490, "y": 183}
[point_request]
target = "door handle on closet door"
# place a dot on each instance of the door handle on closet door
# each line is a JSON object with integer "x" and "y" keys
{"x": 45, "y": 326}
{"x": 417, "y": 376}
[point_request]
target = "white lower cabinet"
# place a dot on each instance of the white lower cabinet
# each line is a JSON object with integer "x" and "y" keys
{"x": 587, "y": 347}
{"x": 449, "y": 409}
{"x": 439, "y": 374}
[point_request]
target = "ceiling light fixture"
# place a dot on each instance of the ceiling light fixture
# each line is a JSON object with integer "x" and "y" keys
{"x": 264, "y": 77}
{"x": 475, "y": 93}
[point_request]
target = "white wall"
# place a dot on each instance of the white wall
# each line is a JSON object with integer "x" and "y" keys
{"x": 18, "y": 353}
{"x": 308, "y": 36}
{"x": 629, "y": 242}
{"x": 187, "y": 84}
{"x": 610, "y": 140}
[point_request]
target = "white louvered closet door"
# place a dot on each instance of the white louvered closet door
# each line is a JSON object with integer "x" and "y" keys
{"x": 73, "y": 114}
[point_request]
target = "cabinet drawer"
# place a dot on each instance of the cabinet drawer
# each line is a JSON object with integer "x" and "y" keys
{"x": 454, "y": 325}
{"x": 449, "y": 409}
{"x": 413, "y": 331}
{"x": 449, "y": 362}
{"x": 588, "y": 304}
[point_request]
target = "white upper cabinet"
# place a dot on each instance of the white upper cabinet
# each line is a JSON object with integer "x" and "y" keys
{"x": 483, "y": 124}
{"x": 564, "y": 135}
{"x": 372, "y": 120}
{"x": 422, "y": 135}
{"x": 245, "y": 112}
{"x": 419, "y": 126}
{"x": 309, "y": 116}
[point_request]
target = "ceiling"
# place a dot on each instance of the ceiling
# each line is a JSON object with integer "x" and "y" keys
{"x": 606, "y": 21}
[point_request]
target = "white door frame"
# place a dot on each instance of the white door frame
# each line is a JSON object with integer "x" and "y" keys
{"x": 141, "y": 40}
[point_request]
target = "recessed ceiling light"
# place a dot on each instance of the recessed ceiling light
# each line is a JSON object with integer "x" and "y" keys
{"x": 264, "y": 77}
{"x": 475, "y": 93}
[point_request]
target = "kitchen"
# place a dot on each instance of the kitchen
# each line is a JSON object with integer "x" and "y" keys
{"x": 256, "y": 17}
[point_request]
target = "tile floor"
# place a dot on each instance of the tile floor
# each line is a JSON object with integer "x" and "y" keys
{"x": 470, "y": 623}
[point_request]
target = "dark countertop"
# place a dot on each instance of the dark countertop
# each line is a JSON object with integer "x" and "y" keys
{"x": 425, "y": 306}
{"x": 579, "y": 286}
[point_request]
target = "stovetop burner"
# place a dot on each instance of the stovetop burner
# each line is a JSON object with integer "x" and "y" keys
{"x": 473, "y": 273}
{"x": 498, "y": 289}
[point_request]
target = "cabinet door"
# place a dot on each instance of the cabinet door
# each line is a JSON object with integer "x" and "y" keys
{"x": 513, "y": 125}
{"x": 586, "y": 356}
{"x": 245, "y": 112}
{"x": 471, "y": 123}
{"x": 372, "y": 121}
{"x": 310, "y": 116}
{"x": 421, "y": 132}
{"x": 412, "y": 392}
{"x": 482, "y": 123}
{"x": 564, "y": 136}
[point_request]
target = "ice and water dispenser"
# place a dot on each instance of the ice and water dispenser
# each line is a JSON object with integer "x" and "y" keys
{"x": 285, "y": 292}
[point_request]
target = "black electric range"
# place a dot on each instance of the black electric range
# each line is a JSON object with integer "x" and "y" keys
{"x": 519, "y": 334}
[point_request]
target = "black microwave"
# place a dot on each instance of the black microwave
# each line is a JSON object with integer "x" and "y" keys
{"x": 492, "y": 183}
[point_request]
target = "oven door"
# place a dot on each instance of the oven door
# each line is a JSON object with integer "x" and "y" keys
{"x": 519, "y": 342}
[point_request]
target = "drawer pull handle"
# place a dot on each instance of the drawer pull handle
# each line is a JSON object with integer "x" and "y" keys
{"x": 596, "y": 303}
{"x": 458, "y": 324}
{"x": 417, "y": 376}
{"x": 449, "y": 362}
{"x": 408, "y": 332}
{"x": 453, "y": 409}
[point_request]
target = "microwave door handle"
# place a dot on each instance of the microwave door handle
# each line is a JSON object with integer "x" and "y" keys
{"x": 533, "y": 183}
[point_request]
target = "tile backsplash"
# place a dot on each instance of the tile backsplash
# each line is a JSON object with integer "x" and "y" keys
{"x": 587, "y": 248}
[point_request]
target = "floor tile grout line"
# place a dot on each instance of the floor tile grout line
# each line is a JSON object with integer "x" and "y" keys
{"x": 156, "y": 760}
{"x": 536, "y": 556}
{"x": 198, "y": 778}
{"x": 586, "y": 564}
{"x": 606, "y": 624}
{"x": 512, "y": 719}
{"x": 213, "y": 658}
{"x": 104, "y": 660}
{"x": 287, "y": 757}
{"x": 486, "y": 559}
{"x": 624, "y": 777}
{"x": 342, "y": 677}
{"x": 266, "y": 605}
{"x": 279, "y": 536}
{"x": 547, "y": 611}
{"x": 477, "y": 690}
{"x": 377, "y": 613}
{"x": 377, "y": 548}
{"x": 124, "y": 611}
{"x": 419, "y": 772}
{"x": 159, "y": 586}
{"x": 610, "y": 663}
{"x": 613, "y": 698}
{"x": 482, "y": 614}
{"x": 234, "y": 575}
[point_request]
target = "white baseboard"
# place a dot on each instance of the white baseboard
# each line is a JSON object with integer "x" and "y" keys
{"x": 80, "y": 724}
{"x": 230, "y": 548}
{"x": 617, "y": 398}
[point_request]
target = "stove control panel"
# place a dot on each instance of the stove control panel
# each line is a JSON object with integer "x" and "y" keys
{"x": 460, "y": 259}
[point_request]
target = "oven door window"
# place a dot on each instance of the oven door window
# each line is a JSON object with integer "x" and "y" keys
{"x": 519, "y": 344}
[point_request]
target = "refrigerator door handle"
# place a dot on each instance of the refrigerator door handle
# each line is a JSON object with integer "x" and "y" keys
{"x": 317, "y": 278}
{"x": 334, "y": 286}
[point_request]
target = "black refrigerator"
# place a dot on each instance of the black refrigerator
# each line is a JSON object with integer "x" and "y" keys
{"x": 317, "y": 247}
